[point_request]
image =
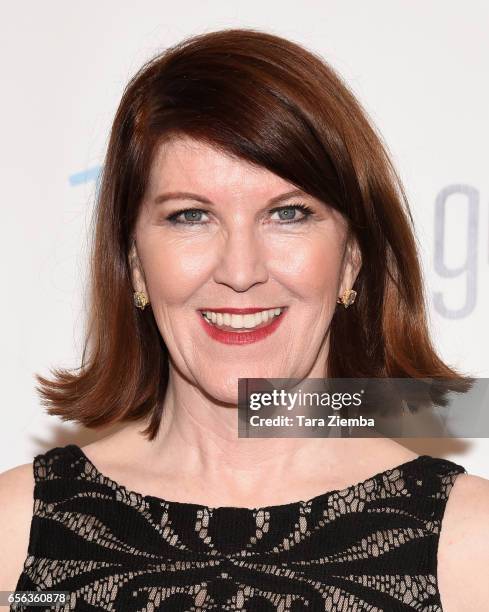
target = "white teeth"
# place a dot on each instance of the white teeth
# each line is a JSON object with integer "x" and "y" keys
{"x": 237, "y": 321}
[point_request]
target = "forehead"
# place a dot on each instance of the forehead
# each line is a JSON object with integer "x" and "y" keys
{"x": 186, "y": 164}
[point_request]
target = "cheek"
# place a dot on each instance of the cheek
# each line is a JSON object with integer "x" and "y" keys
{"x": 310, "y": 266}
{"x": 174, "y": 270}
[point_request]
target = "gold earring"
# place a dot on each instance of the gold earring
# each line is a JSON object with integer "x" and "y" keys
{"x": 140, "y": 299}
{"x": 347, "y": 298}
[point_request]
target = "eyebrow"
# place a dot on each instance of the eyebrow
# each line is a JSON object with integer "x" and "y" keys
{"x": 185, "y": 195}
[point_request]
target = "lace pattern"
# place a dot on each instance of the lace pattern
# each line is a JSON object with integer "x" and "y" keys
{"x": 369, "y": 547}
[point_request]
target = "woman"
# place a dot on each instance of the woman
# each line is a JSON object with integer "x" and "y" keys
{"x": 243, "y": 176}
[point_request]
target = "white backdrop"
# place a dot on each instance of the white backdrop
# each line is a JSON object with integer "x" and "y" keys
{"x": 420, "y": 69}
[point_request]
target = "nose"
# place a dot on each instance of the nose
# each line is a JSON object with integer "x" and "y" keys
{"x": 241, "y": 261}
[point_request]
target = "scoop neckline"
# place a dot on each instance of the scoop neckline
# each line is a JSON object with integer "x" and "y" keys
{"x": 317, "y": 499}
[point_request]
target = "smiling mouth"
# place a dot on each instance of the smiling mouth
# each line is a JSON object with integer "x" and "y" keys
{"x": 240, "y": 323}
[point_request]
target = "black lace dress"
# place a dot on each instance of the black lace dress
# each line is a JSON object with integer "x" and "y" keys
{"x": 371, "y": 546}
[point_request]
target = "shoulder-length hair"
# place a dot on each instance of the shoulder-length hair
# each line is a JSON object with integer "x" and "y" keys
{"x": 271, "y": 102}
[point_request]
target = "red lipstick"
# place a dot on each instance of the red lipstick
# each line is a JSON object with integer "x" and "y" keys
{"x": 241, "y": 337}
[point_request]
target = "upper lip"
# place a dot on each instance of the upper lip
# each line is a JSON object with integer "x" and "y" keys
{"x": 240, "y": 310}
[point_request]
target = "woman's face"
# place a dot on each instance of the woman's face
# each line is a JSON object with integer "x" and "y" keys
{"x": 243, "y": 244}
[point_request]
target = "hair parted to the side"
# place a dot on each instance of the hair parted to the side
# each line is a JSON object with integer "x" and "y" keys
{"x": 271, "y": 102}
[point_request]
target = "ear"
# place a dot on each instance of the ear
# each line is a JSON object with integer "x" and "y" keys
{"x": 352, "y": 262}
{"x": 136, "y": 269}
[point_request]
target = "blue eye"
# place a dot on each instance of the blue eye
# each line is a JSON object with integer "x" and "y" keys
{"x": 191, "y": 215}
{"x": 290, "y": 210}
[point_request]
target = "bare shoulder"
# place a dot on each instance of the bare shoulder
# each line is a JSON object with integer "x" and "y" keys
{"x": 16, "y": 507}
{"x": 463, "y": 550}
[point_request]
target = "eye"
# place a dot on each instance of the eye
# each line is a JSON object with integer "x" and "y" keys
{"x": 290, "y": 216}
{"x": 190, "y": 216}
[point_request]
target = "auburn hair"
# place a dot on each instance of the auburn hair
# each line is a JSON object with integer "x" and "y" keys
{"x": 269, "y": 101}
